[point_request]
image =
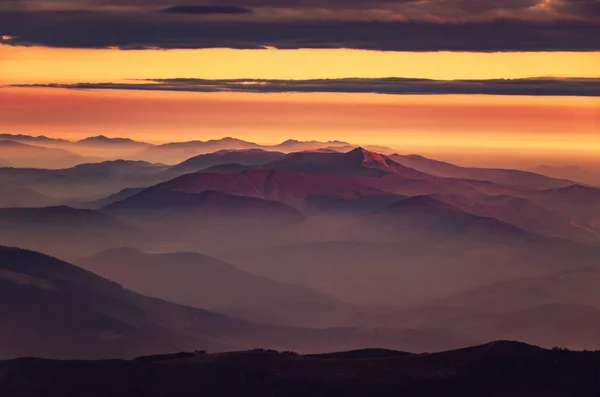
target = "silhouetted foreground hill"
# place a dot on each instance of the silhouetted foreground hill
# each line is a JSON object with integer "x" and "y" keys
{"x": 498, "y": 369}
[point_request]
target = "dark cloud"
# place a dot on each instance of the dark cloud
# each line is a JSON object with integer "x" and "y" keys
{"x": 206, "y": 10}
{"x": 392, "y": 86}
{"x": 441, "y": 10}
{"x": 387, "y": 25}
{"x": 96, "y": 30}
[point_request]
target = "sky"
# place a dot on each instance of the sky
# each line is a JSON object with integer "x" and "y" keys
{"x": 466, "y": 80}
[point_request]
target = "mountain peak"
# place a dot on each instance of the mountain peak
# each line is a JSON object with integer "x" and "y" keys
{"x": 103, "y": 139}
{"x": 96, "y": 138}
{"x": 368, "y": 157}
{"x": 290, "y": 142}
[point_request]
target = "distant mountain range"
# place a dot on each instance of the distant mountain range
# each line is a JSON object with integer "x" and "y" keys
{"x": 85, "y": 181}
{"x": 315, "y": 243}
{"x": 102, "y": 140}
{"x": 106, "y": 148}
{"x": 247, "y": 157}
{"x": 20, "y": 154}
{"x": 570, "y": 172}
{"x": 23, "y": 197}
{"x": 517, "y": 178}
{"x": 228, "y": 191}
{"x": 33, "y": 139}
{"x": 60, "y": 230}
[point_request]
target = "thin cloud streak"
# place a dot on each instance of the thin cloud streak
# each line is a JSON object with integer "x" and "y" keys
{"x": 589, "y": 87}
{"x": 206, "y": 10}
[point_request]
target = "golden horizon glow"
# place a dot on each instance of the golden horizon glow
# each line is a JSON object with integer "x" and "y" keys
{"x": 454, "y": 127}
{"x": 457, "y": 128}
{"x": 41, "y": 65}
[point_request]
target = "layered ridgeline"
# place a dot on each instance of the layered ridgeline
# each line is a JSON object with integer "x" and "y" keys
{"x": 197, "y": 280}
{"x": 51, "y": 308}
{"x": 107, "y": 148}
{"x": 408, "y": 246}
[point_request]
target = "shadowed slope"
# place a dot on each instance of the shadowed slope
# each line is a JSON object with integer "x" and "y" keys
{"x": 25, "y": 155}
{"x": 83, "y": 315}
{"x": 201, "y": 281}
{"x": 517, "y": 178}
{"x": 62, "y": 230}
{"x": 496, "y": 369}
{"x": 242, "y": 157}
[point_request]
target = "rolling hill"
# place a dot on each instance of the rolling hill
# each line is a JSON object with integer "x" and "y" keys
{"x": 103, "y": 141}
{"x": 84, "y": 181}
{"x": 499, "y": 368}
{"x": 83, "y": 315}
{"x": 176, "y": 152}
{"x": 247, "y": 157}
{"x": 573, "y": 173}
{"x": 62, "y": 230}
{"x": 507, "y": 177}
{"x": 20, "y": 154}
{"x": 197, "y": 280}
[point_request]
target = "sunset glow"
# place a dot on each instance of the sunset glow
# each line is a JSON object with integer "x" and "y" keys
{"x": 50, "y": 65}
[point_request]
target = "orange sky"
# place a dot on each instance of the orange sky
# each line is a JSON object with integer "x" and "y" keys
{"x": 45, "y": 65}
{"x": 446, "y": 125}
{"x": 442, "y": 125}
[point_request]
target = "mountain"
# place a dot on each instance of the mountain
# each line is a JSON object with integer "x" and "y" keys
{"x": 517, "y": 178}
{"x": 41, "y": 139}
{"x": 392, "y": 265}
{"x": 62, "y": 230}
{"x": 247, "y": 157}
{"x": 570, "y": 172}
{"x": 299, "y": 177}
{"x": 358, "y": 162}
{"x": 23, "y": 197}
{"x": 197, "y": 280}
{"x": 522, "y": 213}
{"x": 432, "y": 218}
{"x": 288, "y": 187}
{"x": 85, "y": 316}
{"x": 85, "y": 181}
{"x": 499, "y": 368}
{"x": 564, "y": 303}
{"x": 52, "y": 217}
{"x": 26, "y": 155}
{"x": 176, "y": 152}
{"x": 372, "y": 148}
{"x": 575, "y": 287}
{"x": 110, "y": 199}
{"x": 225, "y": 168}
{"x": 208, "y": 220}
{"x": 157, "y": 201}
{"x": 293, "y": 145}
{"x": 102, "y": 140}
{"x": 579, "y": 203}
{"x": 385, "y": 174}
{"x": 555, "y": 324}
